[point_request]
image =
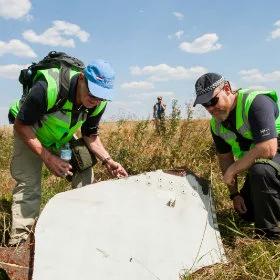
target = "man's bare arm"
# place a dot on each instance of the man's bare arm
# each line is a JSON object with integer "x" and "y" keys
{"x": 28, "y": 136}
{"x": 266, "y": 149}
{"x": 225, "y": 161}
{"x": 95, "y": 145}
{"x": 56, "y": 165}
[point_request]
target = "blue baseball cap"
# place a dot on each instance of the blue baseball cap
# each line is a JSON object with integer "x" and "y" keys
{"x": 100, "y": 76}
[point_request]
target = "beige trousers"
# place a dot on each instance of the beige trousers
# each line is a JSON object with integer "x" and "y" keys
{"x": 26, "y": 169}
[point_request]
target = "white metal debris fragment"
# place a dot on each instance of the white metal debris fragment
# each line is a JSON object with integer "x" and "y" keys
{"x": 150, "y": 226}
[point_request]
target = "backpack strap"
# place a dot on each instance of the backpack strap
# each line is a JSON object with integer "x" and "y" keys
{"x": 64, "y": 86}
{"x": 53, "y": 60}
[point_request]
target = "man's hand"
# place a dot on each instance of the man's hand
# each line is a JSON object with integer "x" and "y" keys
{"x": 115, "y": 169}
{"x": 239, "y": 204}
{"x": 58, "y": 166}
{"x": 229, "y": 176}
{"x": 55, "y": 164}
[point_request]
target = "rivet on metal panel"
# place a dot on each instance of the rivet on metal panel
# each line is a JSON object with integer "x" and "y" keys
{"x": 171, "y": 203}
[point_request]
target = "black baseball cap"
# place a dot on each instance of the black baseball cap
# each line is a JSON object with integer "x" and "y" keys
{"x": 205, "y": 86}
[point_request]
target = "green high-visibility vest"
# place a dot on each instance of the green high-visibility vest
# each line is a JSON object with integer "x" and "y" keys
{"x": 245, "y": 98}
{"x": 55, "y": 129}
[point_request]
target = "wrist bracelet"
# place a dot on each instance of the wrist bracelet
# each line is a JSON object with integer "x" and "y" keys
{"x": 233, "y": 195}
{"x": 105, "y": 160}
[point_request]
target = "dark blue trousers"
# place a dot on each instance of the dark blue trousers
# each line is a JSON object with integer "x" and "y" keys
{"x": 261, "y": 192}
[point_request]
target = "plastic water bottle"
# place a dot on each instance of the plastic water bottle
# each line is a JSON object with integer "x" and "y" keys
{"x": 66, "y": 152}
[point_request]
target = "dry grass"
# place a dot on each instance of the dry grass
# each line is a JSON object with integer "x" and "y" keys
{"x": 180, "y": 143}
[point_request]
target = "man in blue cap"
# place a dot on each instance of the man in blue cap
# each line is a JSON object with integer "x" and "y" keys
{"x": 39, "y": 136}
{"x": 245, "y": 126}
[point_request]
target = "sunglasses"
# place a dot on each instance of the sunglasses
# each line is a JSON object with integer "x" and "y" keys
{"x": 213, "y": 101}
{"x": 92, "y": 95}
{"x": 95, "y": 97}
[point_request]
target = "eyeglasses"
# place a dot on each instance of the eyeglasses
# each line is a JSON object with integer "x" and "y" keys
{"x": 95, "y": 97}
{"x": 92, "y": 95}
{"x": 213, "y": 101}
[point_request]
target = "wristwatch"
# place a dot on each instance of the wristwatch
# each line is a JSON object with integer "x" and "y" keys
{"x": 233, "y": 195}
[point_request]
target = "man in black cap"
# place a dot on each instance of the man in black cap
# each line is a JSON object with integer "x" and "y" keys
{"x": 245, "y": 126}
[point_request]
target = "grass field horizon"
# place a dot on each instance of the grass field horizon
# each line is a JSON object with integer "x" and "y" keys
{"x": 180, "y": 143}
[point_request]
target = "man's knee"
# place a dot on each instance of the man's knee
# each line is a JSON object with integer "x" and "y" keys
{"x": 258, "y": 170}
{"x": 262, "y": 178}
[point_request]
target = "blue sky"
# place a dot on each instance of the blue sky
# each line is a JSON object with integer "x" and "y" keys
{"x": 157, "y": 47}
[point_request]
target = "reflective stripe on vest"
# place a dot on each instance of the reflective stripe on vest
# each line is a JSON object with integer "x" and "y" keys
{"x": 244, "y": 101}
{"x": 229, "y": 136}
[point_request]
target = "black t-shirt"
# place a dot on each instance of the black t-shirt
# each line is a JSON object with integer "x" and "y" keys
{"x": 35, "y": 106}
{"x": 262, "y": 115}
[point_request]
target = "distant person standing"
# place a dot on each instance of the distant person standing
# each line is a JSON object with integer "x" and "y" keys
{"x": 159, "y": 109}
{"x": 159, "y": 113}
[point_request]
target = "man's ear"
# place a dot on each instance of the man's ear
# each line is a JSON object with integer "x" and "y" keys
{"x": 81, "y": 77}
{"x": 227, "y": 88}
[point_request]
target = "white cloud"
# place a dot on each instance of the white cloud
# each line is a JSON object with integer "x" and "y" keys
{"x": 164, "y": 72}
{"x": 11, "y": 71}
{"x": 205, "y": 43}
{"x": 14, "y": 8}
{"x": 259, "y": 87}
{"x": 178, "y": 15}
{"x": 143, "y": 85}
{"x": 256, "y": 76}
{"x": 276, "y": 33}
{"x": 57, "y": 35}
{"x": 16, "y": 47}
{"x": 177, "y": 34}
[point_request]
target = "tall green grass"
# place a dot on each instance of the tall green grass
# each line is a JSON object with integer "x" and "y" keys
{"x": 176, "y": 143}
